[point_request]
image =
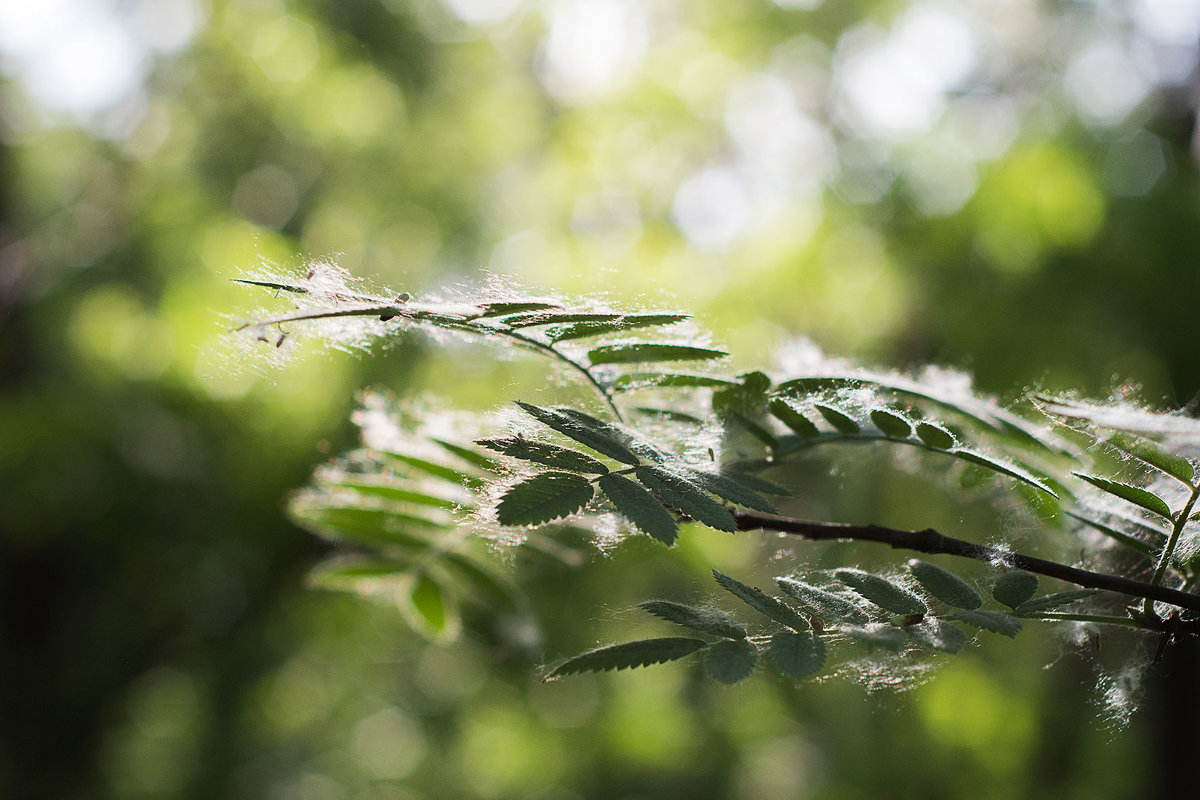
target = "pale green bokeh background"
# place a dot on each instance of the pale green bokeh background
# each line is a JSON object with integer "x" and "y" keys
{"x": 1005, "y": 188}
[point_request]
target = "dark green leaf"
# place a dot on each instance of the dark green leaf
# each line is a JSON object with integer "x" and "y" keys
{"x": 763, "y": 603}
{"x": 636, "y": 353}
{"x": 556, "y": 318}
{"x": 588, "y": 431}
{"x": 500, "y": 308}
{"x": 729, "y": 661}
{"x": 945, "y": 586}
{"x": 1139, "y": 497}
{"x": 880, "y": 635}
{"x": 831, "y": 608}
{"x": 882, "y": 592}
{"x": 891, "y": 423}
{"x": 935, "y": 435}
{"x": 756, "y": 483}
{"x": 995, "y": 621}
{"x": 1175, "y": 466}
{"x": 704, "y": 620}
{"x": 839, "y": 419}
{"x": 1052, "y": 601}
{"x": 797, "y": 655}
{"x": 544, "y": 453}
{"x": 628, "y": 655}
{"x": 472, "y": 457}
{"x": 1004, "y": 469}
{"x": 544, "y": 497}
{"x": 626, "y": 322}
{"x": 1015, "y": 587}
{"x": 691, "y": 500}
{"x": 650, "y": 380}
{"x": 640, "y": 507}
{"x": 669, "y": 414}
{"x": 732, "y": 489}
{"x": 791, "y": 416}
{"x": 939, "y": 635}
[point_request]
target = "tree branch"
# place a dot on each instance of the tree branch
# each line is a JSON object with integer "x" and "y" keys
{"x": 930, "y": 541}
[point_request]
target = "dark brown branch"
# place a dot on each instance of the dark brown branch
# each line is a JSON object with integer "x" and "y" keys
{"x": 930, "y": 541}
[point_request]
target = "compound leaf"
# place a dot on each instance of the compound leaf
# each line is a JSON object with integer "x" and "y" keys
{"x": 797, "y": 655}
{"x": 640, "y": 507}
{"x": 944, "y": 585}
{"x": 684, "y": 495}
{"x": 544, "y": 453}
{"x": 711, "y": 621}
{"x": 731, "y": 661}
{"x": 882, "y": 592}
{"x": 762, "y": 602}
{"x": 628, "y": 655}
{"x": 544, "y": 497}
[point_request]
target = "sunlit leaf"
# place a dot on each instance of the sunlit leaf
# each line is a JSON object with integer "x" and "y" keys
{"x": 669, "y": 414}
{"x": 544, "y": 497}
{"x": 789, "y": 415}
{"x": 994, "y": 621}
{"x": 369, "y": 525}
{"x": 588, "y": 431}
{"x": 935, "y": 436}
{"x": 939, "y": 634}
{"x": 730, "y": 661}
{"x": 839, "y": 419}
{"x": 944, "y": 585}
{"x": 1015, "y": 587}
{"x": 762, "y": 602}
{"x": 556, "y": 318}
{"x": 581, "y": 330}
{"x": 628, "y": 655}
{"x": 797, "y": 655}
{"x": 429, "y": 609}
{"x": 832, "y": 608}
{"x": 884, "y": 593}
{"x": 1175, "y": 466}
{"x": 1113, "y": 533}
{"x": 544, "y": 453}
{"x": 878, "y": 634}
{"x": 704, "y": 620}
{"x": 691, "y": 500}
{"x": 472, "y": 457}
{"x": 500, "y": 308}
{"x": 756, "y": 483}
{"x": 436, "y": 469}
{"x": 1133, "y": 494}
{"x": 989, "y": 463}
{"x": 390, "y": 490}
{"x": 1052, "y": 601}
{"x": 649, "y": 380}
{"x": 640, "y": 507}
{"x": 635, "y": 353}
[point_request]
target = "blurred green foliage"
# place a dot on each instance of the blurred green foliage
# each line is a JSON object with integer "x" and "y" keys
{"x": 1007, "y": 188}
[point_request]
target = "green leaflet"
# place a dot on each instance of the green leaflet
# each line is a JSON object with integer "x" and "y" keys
{"x": 442, "y": 471}
{"x": 640, "y": 507}
{"x": 797, "y": 655}
{"x": 998, "y": 466}
{"x": 710, "y": 621}
{"x": 634, "y": 381}
{"x": 881, "y": 592}
{"x": 789, "y": 415}
{"x": 669, "y": 414}
{"x": 1015, "y": 587}
{"x": 763, "y": 603}
{"x": 500, "y": 308}
{"x": 935, "y": 436}
{"x": 1113, "y": 533}
{"x": 877, "y": 634}
{"x": 891, "y": 423}
{"x": 1139, "y": 497}
{"x": 938, "y": 634}
{"x": 556, "y": 318}
{"x": 839, "y": 419}
{"x": 628, "y": 655}
{"x": 544, "y": 497}
{"x": 644, "y": 352}
{"x": 756, "y": 483}
{"x": 1052, "y": 601}
{"x": 544, "y": 453}
{"x": 1173, "y": 465}
{"x": 625, "y": 322}
{"x": 588, "y": 431}
{"x": 994, "y": 621}
{"x": 831, "y": 608}
{"x": 429, "y": 609}
{"x": 374, "y": 526}
{"x": 476, "y": 459}
{"x": 733, "y": 489}
{"x": 691, "y": 500}
{"x": 945, "y": 586}
{"x": 747, "y": 396}
{"x": 731, "y": 661}
{"x": 390, "y": 490}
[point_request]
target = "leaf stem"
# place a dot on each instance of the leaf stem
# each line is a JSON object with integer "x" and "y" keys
{"x": 1164, "y": 558}
{"x": 930, "y": 541}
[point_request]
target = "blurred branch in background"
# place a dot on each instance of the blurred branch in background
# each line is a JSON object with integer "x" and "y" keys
{"x": 1008, "y": 188}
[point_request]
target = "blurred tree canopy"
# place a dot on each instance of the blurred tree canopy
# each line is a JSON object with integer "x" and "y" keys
{"x": 1009, "y": 188}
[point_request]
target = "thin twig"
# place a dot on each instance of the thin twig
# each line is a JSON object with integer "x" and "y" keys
{"x": 930, "y": 541}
